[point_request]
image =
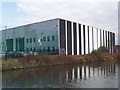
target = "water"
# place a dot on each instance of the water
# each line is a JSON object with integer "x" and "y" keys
{"x": 90, "y": 75}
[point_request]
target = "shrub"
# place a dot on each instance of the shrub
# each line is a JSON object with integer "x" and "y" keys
{"x": 101, "y": 49}
{"x": 6, "y": 65}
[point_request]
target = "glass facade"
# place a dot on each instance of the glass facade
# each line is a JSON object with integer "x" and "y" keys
{"x": 57, "y": 35}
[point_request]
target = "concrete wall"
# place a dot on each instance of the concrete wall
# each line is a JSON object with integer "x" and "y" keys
{"x": 83, "y": 39}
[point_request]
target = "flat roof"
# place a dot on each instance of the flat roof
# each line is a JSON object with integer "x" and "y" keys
{"x": 56, "y": 19}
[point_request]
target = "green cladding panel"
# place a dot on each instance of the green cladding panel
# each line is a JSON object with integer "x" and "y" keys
{"x": 9, "y": 43}
{"x": 16, "y": 40}
{"x": 19, "y": 44}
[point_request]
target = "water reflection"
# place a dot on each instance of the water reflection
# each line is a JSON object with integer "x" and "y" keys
{"x": 61, "y": 76}
{"x": 84, "y": 72}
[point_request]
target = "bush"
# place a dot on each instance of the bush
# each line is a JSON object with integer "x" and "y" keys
{"x": 101, "y": 49}
{"x": 6, "y": 65}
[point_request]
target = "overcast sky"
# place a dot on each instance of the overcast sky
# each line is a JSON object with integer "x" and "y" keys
{"x": 98, "y": 13}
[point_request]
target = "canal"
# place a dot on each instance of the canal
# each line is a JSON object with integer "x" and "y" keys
{"x": 89, "y": 75}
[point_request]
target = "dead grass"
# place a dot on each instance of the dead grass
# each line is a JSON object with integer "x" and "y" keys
{"x": 45, "y": 60}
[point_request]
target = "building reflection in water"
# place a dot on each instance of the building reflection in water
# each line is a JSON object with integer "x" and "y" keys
{"x": 61, "y": 76}
{"x": 85, "y": 72}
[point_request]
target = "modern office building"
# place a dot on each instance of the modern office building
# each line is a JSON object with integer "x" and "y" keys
{"x": 57, "y": 35}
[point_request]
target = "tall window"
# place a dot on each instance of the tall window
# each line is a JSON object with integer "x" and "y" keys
{"x": 53, "y": 38}
{"x": 27, "y": 40}
{"x": 48, "y": 49}
{"x": 27, "y": 49}
{"x": 44, "y": 38}
{"x": 48, "y": 38}
{"x": 44, "y": 48}
{"x": 30, "y": 49}
{"x": 41, "y": 40}
{"x": 3, "y": 43}
{"x": 53, "y": 48}
{"x": 34, "y": 40}
{"x": 30, "y": 40}
{"x": 34, "y": 49}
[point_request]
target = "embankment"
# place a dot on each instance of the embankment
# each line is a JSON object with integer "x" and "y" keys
{"x": 50, "y": 60}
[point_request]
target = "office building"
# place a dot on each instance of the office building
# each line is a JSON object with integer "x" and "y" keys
{"x": 57, "y": 35}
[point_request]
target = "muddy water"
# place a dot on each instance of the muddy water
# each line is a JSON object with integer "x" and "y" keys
{"x": 90, "y": 75}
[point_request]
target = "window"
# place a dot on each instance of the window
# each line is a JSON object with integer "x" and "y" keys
{"x": 34, "y": 49}
{"x": 27, "y": 49}
{"x": 3, "y": 43}
{"x": 41, "y": 40}
{"x": 48, "y": 38}
{"x": 27, "y": 40}
{"x": 30, "y": 40}
{"x": 30, "y": 49}
{"x": 34, "y": 40}
{"x": 48, "y": 49}
{"x": 53, "y": 48}
{"x": 53, "y": 38}
{"x": 44, "y": 38}
{"x": 44, "y": 48}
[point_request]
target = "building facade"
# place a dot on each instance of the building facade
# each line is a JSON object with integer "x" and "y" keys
{"x": 57, "y": 35}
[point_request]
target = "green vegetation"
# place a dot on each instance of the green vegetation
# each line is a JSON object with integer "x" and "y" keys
{"x": 6, "y": 65}
{"x": 47, "y": 60}
{"x": 103, "y": 53}
{"x": 100, "y": 50}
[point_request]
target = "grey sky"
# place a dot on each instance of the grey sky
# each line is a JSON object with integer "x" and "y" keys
{"x": 119, "y": 24}
{"x": 98, "y": 13}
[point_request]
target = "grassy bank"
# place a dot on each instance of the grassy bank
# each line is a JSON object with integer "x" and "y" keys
{"x": 48, "y": 71}
{"x": 46, "y": 60}
{"x": 101, "y": 54}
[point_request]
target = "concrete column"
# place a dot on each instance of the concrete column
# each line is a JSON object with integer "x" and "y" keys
{"x": 92, "y": 38}
{"x": 80, "y": 44}
{"x": 88, "y": 41}
{"x": 103, "y": 38}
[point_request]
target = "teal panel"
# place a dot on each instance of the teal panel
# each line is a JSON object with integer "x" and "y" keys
{"x": 21, "y": 44}
{"x": 9, "y": 44}
{"x": 16, "y": 44}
